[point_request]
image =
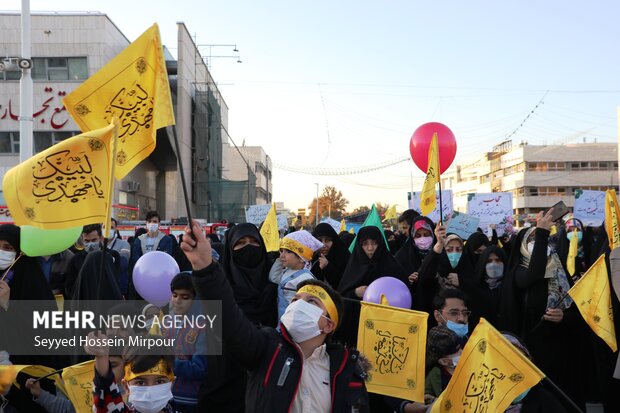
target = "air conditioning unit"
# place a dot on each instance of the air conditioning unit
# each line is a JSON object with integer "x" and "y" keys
{"x": 131, "y": 186}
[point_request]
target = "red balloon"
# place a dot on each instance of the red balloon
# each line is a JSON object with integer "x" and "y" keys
{"x": 421, "y": 142}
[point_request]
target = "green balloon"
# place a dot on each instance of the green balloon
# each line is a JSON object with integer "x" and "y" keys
{"x": 36, "y": 242}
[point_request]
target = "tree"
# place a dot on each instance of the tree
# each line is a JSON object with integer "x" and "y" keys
{"x": 359, "y": 210}
{"x": 331, "y": 203}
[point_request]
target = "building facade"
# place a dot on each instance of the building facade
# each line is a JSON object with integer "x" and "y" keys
{"x": 538, "y": 176}
{"x": 67, "y": 48}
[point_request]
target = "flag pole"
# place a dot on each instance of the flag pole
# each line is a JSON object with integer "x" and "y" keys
{"x": 440, "y": 202}
{"x": 183, "y": 184}
{"x": 552, "y": 386}
{"x": 108, "y": 213}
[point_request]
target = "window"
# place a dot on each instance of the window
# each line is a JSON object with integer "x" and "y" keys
{"x": 9, "y": 142}
{"x": 43, "y": 140}
{"x": 59, "y": 68}
{"x": 537, "y": 166}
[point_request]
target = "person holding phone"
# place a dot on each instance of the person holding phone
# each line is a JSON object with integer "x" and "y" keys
{"x": 534, "y": 305}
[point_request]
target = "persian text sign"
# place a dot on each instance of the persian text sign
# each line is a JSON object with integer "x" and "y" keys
{"x": 462, "y": 225}
{"x": 589, "y": 207}
{"x": 492, "y": 208}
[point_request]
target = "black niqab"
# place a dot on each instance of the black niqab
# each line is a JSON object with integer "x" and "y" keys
{"x": 254, "y": 293}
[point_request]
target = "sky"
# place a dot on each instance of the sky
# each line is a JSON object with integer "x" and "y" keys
{"x": 344, "y": 84}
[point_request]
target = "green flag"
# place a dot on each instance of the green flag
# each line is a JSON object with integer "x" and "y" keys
{"x": 373, "y": 219}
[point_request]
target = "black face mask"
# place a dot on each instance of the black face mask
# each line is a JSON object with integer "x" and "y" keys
{"x": 393, "y": 245}
{"x": 248, "y": 256}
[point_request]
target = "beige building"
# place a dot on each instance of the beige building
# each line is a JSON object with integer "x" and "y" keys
{"x": 538, "y": 176}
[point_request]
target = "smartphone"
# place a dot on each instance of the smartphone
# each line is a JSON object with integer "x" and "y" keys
{"x": 559, "y": 210}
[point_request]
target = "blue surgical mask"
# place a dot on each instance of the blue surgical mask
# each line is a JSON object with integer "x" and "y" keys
{"x": 454, "y": 258}
{"x": 92, "y": 246}
{"x": 569, "y": 235}
{"x": 520, "y": 397}
{"x": 495, "y": 269}
{"x": 458, "y": 328}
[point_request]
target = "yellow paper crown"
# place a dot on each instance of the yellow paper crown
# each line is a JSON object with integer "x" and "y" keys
{"x": 297, "y": 247}
{"x": 160, "y": 369}
{"x": 321, "y": 294}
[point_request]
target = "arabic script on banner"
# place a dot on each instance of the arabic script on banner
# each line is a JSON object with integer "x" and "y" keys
{"x": 589, "y": 207}
{"x": 492, "y": 208}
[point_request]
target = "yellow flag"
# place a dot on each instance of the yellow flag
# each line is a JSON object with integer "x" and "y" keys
{"x": 269, "y": 231}
{"x": 592, "y": 296}
{"x": 390, "y": 213}
{"x": 343, "y": 225}
{"x": 67, "y": 185}
{"x": 394, "y": 340}
{"x": 351, "y": 230}
{"x": 133, "y": 87}
{"x": 490, "y": 374}
{"x": 427, "y": 197}
{"x": 573, "y": 249}
{"x": 79, "y": 385}
{"x": 612, "y": 217}
{"x": 9, "y": 373}
{"x": 554, "y": 230}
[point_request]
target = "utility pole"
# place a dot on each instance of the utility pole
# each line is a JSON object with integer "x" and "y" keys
{"x": 317, "y": 204}
{"x": 26, "y": 120}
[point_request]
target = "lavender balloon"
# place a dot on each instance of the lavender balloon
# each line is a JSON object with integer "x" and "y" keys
{"x": 394, "y": 290}
{"x": 152, "y": 275}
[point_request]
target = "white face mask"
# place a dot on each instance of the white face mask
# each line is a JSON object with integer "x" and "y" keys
{"x": 6, "y": 259}
{"x": 152, "y": 227}
{"x": 301, "y": 319}
{"x": 150, "y": 399}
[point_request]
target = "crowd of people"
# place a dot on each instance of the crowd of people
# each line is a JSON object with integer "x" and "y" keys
{"x": 290, "y": 318}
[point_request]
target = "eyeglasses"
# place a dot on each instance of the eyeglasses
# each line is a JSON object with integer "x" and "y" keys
{"x": 456, "y": 313}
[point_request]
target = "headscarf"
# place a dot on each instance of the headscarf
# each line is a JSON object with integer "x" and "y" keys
{"x": 480, "y": 272}
{"x": 91, "y": 284}
{"x": 362, "y": 270}
{"x": 409, "y": 256}
{"x": 475, "y": 241}
{"x": 557, "y": 281}
{"x": 27, "y": 281}
{"x": 250, "y": 284}
{"x": 347, "y": 238}
{"x": 338, "y": 256}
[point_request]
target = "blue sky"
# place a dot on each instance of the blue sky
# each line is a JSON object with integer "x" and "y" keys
{"x": 345, "y": 83}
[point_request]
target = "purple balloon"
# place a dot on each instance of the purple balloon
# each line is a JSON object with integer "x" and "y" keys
{"x": 152, "y": 275}
{"x": 394, "y": 290}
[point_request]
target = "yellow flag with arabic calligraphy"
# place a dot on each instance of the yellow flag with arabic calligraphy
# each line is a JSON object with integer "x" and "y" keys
{"x": 79, "y": 385}
{"x": 269, "y": 231}
{"x": 612, "y": 219}
{"x": 394, "y": 340}
{"x": 390, "y": 213}
{"x": 133, "y": 87}
{"x": 427, "y": 196}
{"x": 490, "y": 374}
{"x": 592, "y": 296}
{"x": 67, "y": 185}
